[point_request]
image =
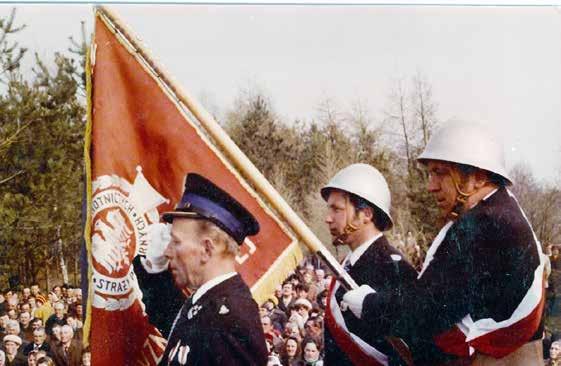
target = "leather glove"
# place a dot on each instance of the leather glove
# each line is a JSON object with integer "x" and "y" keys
{"x": 159, "y": 236}
{"x": 354, "y": 299}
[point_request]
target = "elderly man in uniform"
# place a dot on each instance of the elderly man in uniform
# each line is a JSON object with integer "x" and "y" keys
{"x": 479, "y": 297}
{"x": 358, "y": 202}
{"x": 219, "y": 324}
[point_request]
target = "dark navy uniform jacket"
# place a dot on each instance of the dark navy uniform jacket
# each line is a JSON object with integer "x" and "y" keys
{"x": 483, "y": 267}
{"x": 160, "y": 296}
{"x": 221, "y": 328}
{"x": 379, "y": 270}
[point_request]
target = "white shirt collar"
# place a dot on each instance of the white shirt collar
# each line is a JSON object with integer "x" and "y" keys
{"x": 210, "y": 284}
{"x": 355, "y": 255}
{"x": 490, "y": 194}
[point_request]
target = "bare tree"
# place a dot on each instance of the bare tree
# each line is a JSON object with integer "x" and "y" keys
{"x": 424, "y": 106}
{"x": 398, "y": 114}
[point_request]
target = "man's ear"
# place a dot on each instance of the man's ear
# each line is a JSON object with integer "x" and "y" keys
{"x": 480, "y": 179}
{"x": 208, "y": 249}
{"x": 367, "y": 215}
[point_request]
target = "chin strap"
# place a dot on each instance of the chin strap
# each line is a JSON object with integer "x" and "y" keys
{"x": 349, "y": 227}
{"x": 462, "y": 198}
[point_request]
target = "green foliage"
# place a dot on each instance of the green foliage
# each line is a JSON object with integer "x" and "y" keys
{"x": 10, "y": 52}
{"x": 41, "y": 140}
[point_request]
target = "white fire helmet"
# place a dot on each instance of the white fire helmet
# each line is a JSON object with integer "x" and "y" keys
{"x": 365, "y": 181}
{"x": 467, "y": 143}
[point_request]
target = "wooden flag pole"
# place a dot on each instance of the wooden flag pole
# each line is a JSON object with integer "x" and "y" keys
{"x": 237, "y": 157}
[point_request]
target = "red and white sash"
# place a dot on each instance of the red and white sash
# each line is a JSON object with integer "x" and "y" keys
{"x": 360, "y": 352}
{"x": 499, "y": 339}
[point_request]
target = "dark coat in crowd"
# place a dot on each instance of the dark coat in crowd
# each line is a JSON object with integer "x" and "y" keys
{"x": 377, "y": 268}
{"x": 221, "y": 328}
{"x": 31, "y": 347}
{"x": 19, "y": 360}
{"x": 286, "y": 308}
{"x": 73, "y": 357}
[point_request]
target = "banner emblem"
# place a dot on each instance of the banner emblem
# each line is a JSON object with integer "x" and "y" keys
{"x": 121, "y": 215}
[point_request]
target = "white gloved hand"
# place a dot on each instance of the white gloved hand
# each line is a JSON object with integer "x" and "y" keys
{"x": 354, "y": 299}
{"x": 159, "y": 236}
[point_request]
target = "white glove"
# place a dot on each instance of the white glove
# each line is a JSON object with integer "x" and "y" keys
{"x": 353, "y": 299}
{"x": 159, "y": 236}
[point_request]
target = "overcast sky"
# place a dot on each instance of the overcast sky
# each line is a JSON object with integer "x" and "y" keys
{"x": 496, "y": 65}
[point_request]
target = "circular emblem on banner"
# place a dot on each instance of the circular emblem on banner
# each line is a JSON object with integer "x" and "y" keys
{"x": 121, "y": 216}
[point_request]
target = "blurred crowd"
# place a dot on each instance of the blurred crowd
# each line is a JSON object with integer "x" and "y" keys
{"x": 293, "y": 318}
{"x": 40, "y": 328}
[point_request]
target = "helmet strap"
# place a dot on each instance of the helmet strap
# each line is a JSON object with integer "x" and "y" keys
{"x": 461, "y": 199}
{"x": 349, "y": 227}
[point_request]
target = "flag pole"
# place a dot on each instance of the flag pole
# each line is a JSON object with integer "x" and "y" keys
{"x": 233, "y": 152}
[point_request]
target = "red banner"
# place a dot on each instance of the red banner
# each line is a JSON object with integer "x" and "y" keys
{"x": 142, "y": 145}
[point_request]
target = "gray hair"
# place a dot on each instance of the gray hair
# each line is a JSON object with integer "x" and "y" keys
{"x": 14, "y": 324}
{"x": 66, "y": 326}
{"x": 219, "y": 236}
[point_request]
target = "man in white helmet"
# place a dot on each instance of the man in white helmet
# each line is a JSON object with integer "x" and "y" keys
{"x": 479, "y": 296}
{"x": 358, "y": 202}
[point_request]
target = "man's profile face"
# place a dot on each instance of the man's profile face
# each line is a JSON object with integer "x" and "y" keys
{"x": 336, "y": 218}
{"x": 441, "y": 186}
{"x": 185, "y": 252}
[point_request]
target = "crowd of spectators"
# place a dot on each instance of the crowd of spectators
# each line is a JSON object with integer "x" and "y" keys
{"x": 292, "y": 318}
{"x": 40, "y": 328}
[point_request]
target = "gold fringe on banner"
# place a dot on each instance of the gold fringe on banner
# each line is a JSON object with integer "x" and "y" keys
{"x": 88, "y": 168}
{"x": 264, "y": 288}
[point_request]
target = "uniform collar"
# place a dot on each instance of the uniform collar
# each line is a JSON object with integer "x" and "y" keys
{"x": 490, "y": 194}
{"x": 210, "y": 284}
{"x": 355, "y": 255}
